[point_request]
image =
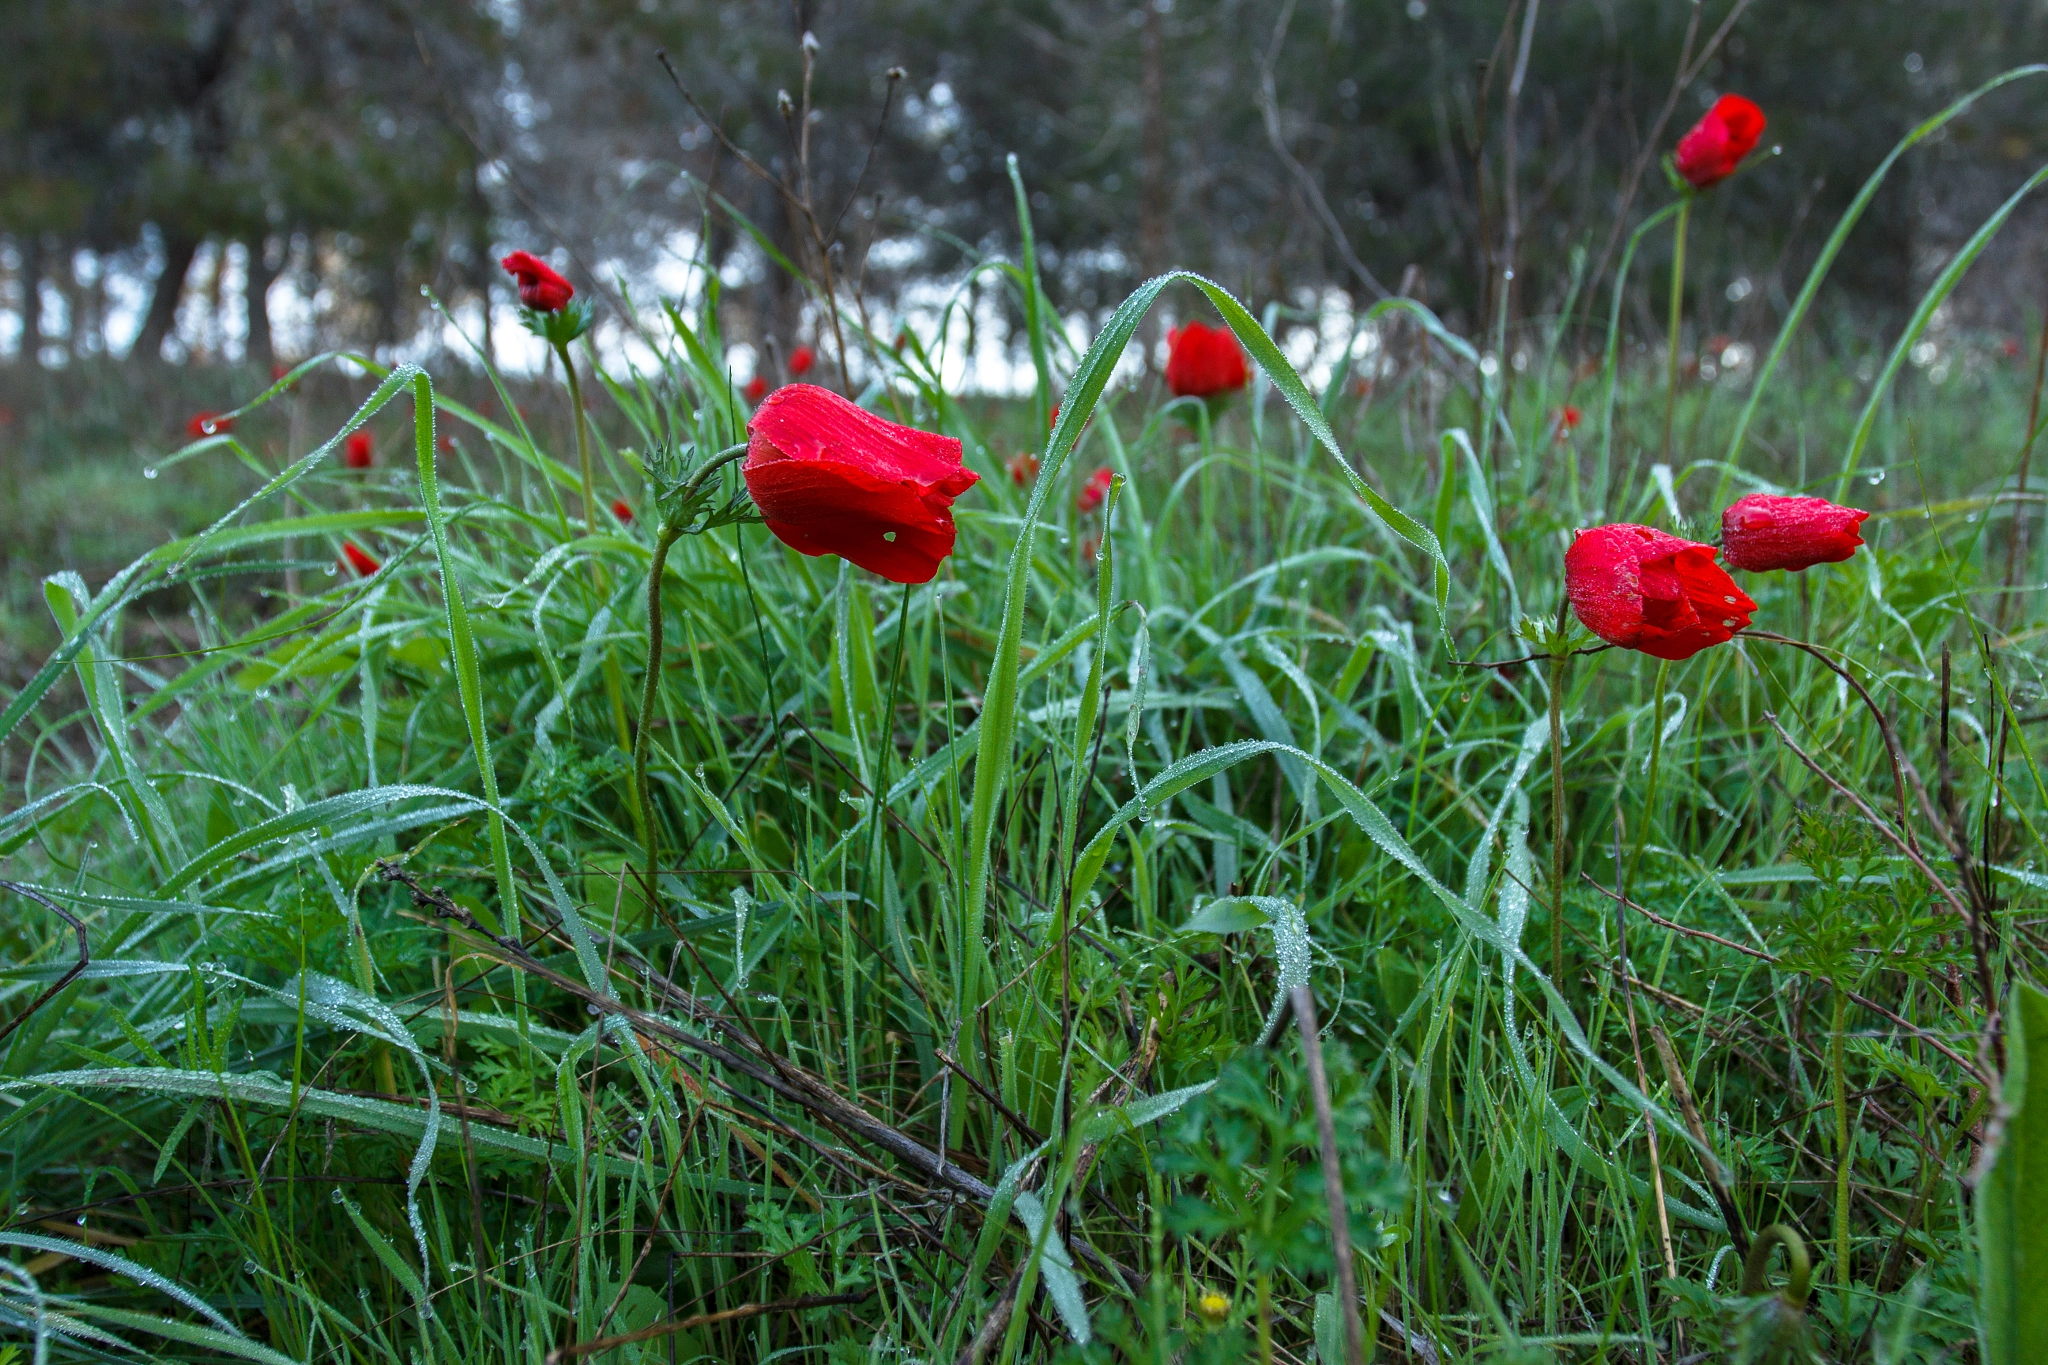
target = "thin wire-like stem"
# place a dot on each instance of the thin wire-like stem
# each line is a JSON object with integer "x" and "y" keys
{"x": 1677, "y": 309}
{"x": 1560, "y": 667}
{"x": 583, "y": 466}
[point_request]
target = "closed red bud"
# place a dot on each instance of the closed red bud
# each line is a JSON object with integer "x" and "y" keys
{"x": 623, "y": 510}
{"x": 1763, "y": 532}
{"x": 355, "y": 559}
{"x": 1715, "y": 146}
{"x": 1095, "y": 490}
{"x": 541, "y": 286}
{"x": 1023, "y": 468}
{"x": 208, "y": 424}
{"x": 801, "y": 360}
{"x": 1202, "y": 361}
{"x": 830, "y": 477}
{"x": 1639, "y": 588}
{"x": 756, "y": 389}
{"x": 356, "y": 452}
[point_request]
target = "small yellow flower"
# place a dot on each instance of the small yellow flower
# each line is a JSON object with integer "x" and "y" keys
{"x": 1214, "y": 1308}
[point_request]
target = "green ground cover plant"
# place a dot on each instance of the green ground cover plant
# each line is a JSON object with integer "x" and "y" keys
{"x": 594, "y": 936}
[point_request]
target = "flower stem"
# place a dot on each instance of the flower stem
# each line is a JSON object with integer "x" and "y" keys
{"x": 1842, "y": 1155}
{"x": 1560, "y": 665}
{"x": 582, "y": 441}
{"x": 1677, "y": 306}
{"x": 670, "y": 532}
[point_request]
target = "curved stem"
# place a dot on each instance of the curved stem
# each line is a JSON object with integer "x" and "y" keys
{"x": 649, "y": 686}
{"x": 1677, "y": 307}
{"x": 1799, "y": 1269}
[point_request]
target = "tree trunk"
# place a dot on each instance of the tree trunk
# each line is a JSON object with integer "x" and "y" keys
{"x": 32, "y": 298}
{"x": 163, "y": 302}
{"x": 257, "y": 278}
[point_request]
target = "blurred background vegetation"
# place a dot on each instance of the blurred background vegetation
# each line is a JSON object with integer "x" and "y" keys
{"x": 172, "y": 171}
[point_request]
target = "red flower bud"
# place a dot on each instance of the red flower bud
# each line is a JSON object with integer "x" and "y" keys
{"x": 1716, "y": 145}
{"x": 757, "y": 388}
{"x": 208, "y": 424}
{"x": 1641, "y": 589}
{"x": 354, "y": 558}
{"x": 1203, "y": 360}
{"x": 541, "y": 286}
{"x": 1023, "y": 467}
{"x": 1095, "y": 490}
{"x": 1762, "y": 532}
{"x": 801, "y": 360}
{"x": 356, "y": 452}
{"x": 623, "y": 510}
{"x": 830, "y": 477}
{"x": 1568, "y": 418}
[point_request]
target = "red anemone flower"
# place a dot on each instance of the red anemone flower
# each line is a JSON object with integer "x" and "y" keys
{"x": 623, "y": 510}
{"x": 356, "y": 559}
{"x": 801, "y": 360}
{"x": 1716, "y": 145}
{"x": 1639, "y": 588}
{"x": 356, "y": 452}
{"x": 830, "y": 477}
{"x": 756, "y": 389}
{"x": 1202, "y": 361}
{"x": 1023, "y": 467}
{"x": 1095, "y": 490}
{"x": 1763, "y": 532}
{"x": 208, "y": 424}
{"x": 541, "y": 286}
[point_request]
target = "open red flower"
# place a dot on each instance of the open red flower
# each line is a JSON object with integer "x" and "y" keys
{"x": 1023, "y": 467}
{"x": 1716, "y": 145}
{"x": 208, "y": 424}
{"x": 356, "y": 452}
{"x": 1202, "y": 361}
{"x": 541, "y": 286}
{"x": 1095, "y": 490}
{"x": 1763, "y": 532}
{"x": 801, "y": 360}
{"x": 623, "y": 510}
{"x": 1642, "y": 589}
{"x": 358, "y": 560}
{"x": 830, "y": 477}
{"x": 756, "y": 389}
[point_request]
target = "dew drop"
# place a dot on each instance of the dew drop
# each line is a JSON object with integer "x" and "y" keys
{"x": 1875, "y": 477}
{"x": 248, "y": 1267}
{"x": 149, "y": 472}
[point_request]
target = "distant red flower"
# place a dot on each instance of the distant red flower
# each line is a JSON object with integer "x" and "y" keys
{"x": 1568, "y": 418}
{"x": 1053, "y": 419}
{"x": 1202, "y": 361}
{"x": 1095, "y": 490}
{"x": 830, "y": 477}
{"x": 354, "y": 558}
{"x": 801, "y": 360}
{"x": 1762, "y": 532}
{"x": 2011, "y": 347}
{"x": 1023, "y": 467}
{"x": 541, "y": 287}
{"x": 357, "y": 452}
{"x": 623, "y": 510}
{"x": 208, "y": 424}
{"x": 1090, "y": 546}
{"x": 1728, "y": 132}
{"x": 279, "y": 371}
{"x": 757, "y": 388}
{"x": 447, "y": 444}
{"x": 1641, "y": 589}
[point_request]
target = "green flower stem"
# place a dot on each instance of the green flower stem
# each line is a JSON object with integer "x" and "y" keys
{"x": 1560, "y": 667}
{"x": 1842, "y": 1154}
{"x": 1649, "y": 814}
{"x": 1677, "y": 306}
{"x": 671, "y": 532}
{"x": 650, "y": 685}
{"x": 1798, "y": 1269}
{"x": 582, "y": 440}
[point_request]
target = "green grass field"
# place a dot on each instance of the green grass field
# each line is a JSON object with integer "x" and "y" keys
{"x": 950, "y": 1024}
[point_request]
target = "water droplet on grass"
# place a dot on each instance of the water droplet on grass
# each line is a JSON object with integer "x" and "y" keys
{"x": 149, "y": 472}
{"x": 1874, "y": 478}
